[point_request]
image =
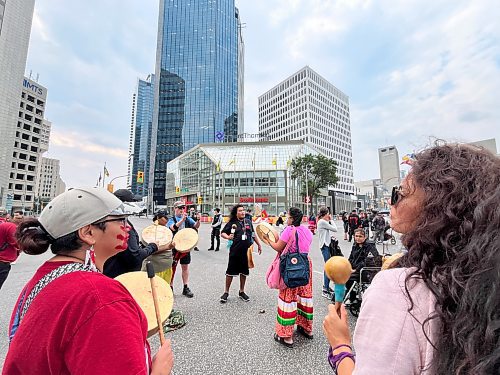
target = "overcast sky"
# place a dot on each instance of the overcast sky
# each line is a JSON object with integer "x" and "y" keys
{"x": 413, "y": 70}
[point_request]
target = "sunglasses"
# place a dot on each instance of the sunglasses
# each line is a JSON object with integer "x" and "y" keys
{"x": 396, "y": 195}
{"x": 123, "y": 220}
{"x": 181, "y": 207}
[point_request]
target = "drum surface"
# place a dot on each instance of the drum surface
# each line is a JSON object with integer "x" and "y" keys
{"x": 157, "y": 233}
{"x": 265, "y": 230}
{"x": 185, "y": 240}
{"x": 139, "y": 286}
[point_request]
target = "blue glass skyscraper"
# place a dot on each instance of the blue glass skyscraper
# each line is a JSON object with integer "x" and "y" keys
{"x": 140, "y": 135}
{"x": 199, "y": 81}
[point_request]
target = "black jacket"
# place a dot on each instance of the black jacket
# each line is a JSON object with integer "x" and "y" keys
{"x": 131, "y": 259}
{"x": 364, "y": 256}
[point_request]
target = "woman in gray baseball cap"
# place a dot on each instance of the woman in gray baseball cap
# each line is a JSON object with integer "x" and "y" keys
{"x": 70, "y": 318}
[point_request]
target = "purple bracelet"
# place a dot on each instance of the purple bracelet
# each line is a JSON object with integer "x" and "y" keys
{"x": 335, "y": 359}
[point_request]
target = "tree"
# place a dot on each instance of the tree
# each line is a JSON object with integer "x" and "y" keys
{"x": 314, "y": 172}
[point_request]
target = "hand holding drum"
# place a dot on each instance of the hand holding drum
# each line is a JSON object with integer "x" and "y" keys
{"x": 339, "y": 270}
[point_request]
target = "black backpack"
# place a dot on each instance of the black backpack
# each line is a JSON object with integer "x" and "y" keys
{"x": 294, "y": 267}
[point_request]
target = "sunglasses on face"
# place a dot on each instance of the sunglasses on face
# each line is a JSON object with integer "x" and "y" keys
{"x": 396, "y": 195}
{"x": 123, "y": 221}
{"x": 181, "y": 207}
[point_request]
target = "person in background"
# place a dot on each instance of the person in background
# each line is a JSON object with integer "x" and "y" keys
{"x": 9, "y": 249}
{"x": 179, "y": 221}
{"x": 345, "y": 221}
{"x": 326, "y": 228}
{"x": 240, "y": 231}
{"x": 161, "y": 260}
{"x": 312, "y": 223}
{"x": 248, "y": 215}
{"x": 363, "y": 254}
{"x": 295, "y": 305}
{"x": 353, "y": 220}
{"x": 379, "y": 228}
{"x": 216, "y": 227}
{"x": 364, "y": 223}
{"x": 195, "y": 217}
{"x": 70, "y": 318}
{"x": 439, "y": 302}
{"x": 131, "y": 259}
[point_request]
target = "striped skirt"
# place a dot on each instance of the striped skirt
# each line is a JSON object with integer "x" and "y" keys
{"x": 295, "y": 306}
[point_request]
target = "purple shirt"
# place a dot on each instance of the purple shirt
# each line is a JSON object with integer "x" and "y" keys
{"x": 305, "y": 237}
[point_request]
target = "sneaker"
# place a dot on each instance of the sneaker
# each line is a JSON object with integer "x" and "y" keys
{"x": 210, "y": 249}
{"x": 223, "y": 298}
{"x": 244, "y": 297}
{"x": 217, "y": 249}
{"x": 326, "y": 294}
{"x": 187, "y": 292}
{"x": 196, "y": 249}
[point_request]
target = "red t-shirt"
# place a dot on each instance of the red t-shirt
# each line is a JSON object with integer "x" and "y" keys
{"x": 7, "y": 237}
{"x": 80, "y": 323}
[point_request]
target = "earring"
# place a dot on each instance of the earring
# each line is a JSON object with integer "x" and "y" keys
{"x": 90, "y": 258}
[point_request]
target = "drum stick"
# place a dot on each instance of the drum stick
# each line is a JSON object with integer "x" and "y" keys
{"x": 151, "y": 275}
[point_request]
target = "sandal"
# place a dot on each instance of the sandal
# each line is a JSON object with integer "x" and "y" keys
{"x": 303, "y": 332}
{"x": 282, "y": 341}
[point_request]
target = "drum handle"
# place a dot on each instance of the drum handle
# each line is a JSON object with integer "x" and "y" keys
{"x": 151, "y": 276}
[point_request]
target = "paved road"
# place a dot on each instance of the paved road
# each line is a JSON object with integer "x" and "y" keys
{"x": 235, "y": 338}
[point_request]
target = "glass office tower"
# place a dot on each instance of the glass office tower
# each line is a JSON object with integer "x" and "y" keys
{"x": 196, "y": 98}
{"x": 140, "y": 135}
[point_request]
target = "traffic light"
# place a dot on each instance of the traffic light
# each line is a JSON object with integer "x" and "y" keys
{"x": 177, "y": 190}
{"x": 200, "y": 200}
{"x": 140, "y": 177}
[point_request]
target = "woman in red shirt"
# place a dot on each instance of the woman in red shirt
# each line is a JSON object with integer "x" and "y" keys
{"x": 70, "y": 318}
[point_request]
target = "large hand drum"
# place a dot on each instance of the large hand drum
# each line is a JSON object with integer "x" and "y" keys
{"x": 266, "y": 231}
{"x": 157, "y": 233}
{"x": 139, "y": 286}
{"x": 185, "y": 240}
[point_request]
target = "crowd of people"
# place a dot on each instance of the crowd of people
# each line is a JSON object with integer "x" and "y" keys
{"x": 440, "y": 296}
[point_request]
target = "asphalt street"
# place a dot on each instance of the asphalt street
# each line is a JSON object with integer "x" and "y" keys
{"x": 235, "y": 338}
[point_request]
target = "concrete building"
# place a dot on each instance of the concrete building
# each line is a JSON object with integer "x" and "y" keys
{"x": 27, "y": 146}
{"x": 488, "y": 144}
{"x": 49, "y": 182}
{"x": 140, "y": 134}
{"x": 306, "y": 106}
{"x": 197, "y": 93}
{"x": 390, "y": 173}
{"x": 15, "y": 28}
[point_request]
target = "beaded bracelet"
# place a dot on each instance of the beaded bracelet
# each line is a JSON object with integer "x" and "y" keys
{"x": 335, "y": 359}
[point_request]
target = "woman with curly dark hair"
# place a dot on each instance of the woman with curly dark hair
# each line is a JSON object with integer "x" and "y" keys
{"x": 440, "y": 303}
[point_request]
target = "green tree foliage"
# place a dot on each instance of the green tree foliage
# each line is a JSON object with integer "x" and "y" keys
{"x": 321, "y": 172}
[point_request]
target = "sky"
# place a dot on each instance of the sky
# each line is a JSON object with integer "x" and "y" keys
{"x": 414, "y": 71}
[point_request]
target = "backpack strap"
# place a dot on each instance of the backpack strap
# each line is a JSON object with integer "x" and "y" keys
{"x": 42, "y": 283}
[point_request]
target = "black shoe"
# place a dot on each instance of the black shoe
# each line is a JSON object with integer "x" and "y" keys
{"x": 244, "y": 297}
{"x": 217, "y": 249}
{"x": 210, "y": 249}
{"x": 196, "y": 249}
{"x": 187, "y": 292}
{"x": 223, "y": 298}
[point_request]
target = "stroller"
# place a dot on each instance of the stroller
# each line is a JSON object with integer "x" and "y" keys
{"x": 388, "y": 236}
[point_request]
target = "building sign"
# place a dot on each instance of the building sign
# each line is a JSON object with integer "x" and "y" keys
{"x": 257, "y": 200}
{"x": 30, "y": 85}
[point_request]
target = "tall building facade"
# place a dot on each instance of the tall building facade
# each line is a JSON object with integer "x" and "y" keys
{"x": 198, "y": 81}
{"x": 390, "y": 173}
{"x": 28, "y": 145}
{"x": 49, "y": 182}
{"x": 15, "y": 28}
{"x": 306, "y": 106}
{"x": 140, "y": 134}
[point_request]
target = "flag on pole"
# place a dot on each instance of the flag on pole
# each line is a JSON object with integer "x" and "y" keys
{"x": 217, "y": 167}
{"x": 99, "y": 181}
{"x": 106, "y": 172}
{"x": 408, "y": 159}
{"x": 232, "y": 161}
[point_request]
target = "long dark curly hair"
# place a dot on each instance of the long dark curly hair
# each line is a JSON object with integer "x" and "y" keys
{"x": 455, "y": 250}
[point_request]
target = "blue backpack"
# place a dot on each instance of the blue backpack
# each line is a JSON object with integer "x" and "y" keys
{"x": 294, "y": 267}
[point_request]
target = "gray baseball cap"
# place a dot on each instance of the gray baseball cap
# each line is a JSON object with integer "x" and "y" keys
{"x": 77, "y": 208}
